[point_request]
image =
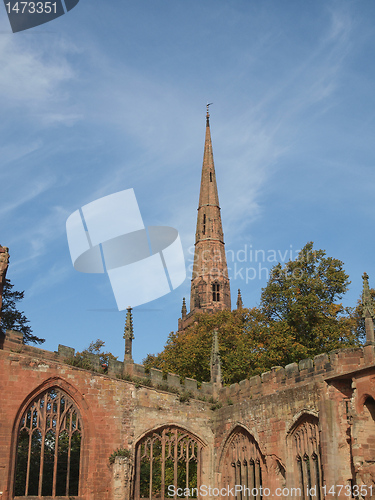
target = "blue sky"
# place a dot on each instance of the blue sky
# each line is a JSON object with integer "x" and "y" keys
{"x": 112, "y": 96}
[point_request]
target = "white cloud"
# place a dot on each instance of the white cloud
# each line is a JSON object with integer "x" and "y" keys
{"x": 33, "y": 75}
{"x": 26, "y": 194}
{"x": 40, "y": 236}
{"x": 50, "y": 278}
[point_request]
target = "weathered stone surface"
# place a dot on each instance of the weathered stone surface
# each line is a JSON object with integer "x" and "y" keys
{"x": 117, "y": 414}
{"x": 65, "y": 352}
{"x": 156, "y": 376}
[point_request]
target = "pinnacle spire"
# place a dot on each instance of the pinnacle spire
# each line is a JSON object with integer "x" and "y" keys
{"x": 239, "y": 300}
{"x": 215, "y": 364}
{"x": 368, "y": 311}
{"x": 128, "y": 335}
{"x": 183, "y": 309}
{"x": 4, "y": 262}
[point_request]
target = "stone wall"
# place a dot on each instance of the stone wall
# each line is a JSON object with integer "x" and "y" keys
{"x": 336, "y": 391}
{"x": 115, "y": 414}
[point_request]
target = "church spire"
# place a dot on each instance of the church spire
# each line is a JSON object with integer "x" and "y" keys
{"x": 210, "y": 283}
{"x": 208, "y": 193}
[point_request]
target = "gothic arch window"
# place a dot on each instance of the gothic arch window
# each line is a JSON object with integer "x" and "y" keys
{"x": 369, "y": 405}
{"x": 48, "y": 447}
{"x": 215, "y": 292}
{"x": 167, "y": 458}
{"x": 243, "y": 463}
{"x": 306, "y": 450}
{"x": 364, "y": 447}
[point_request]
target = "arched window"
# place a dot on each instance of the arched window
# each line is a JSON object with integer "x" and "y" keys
{"x": 210, "y": 176}
{"x": 369, "y": 405}
{"x": 363, "y": 448}
{"x": 215, "y": 292}
{"x": 306, "y": 446}
{"x": 48, "y": 447}
{"x": 243, "y": 464}
{"x": 167, "y": 459}
{"x": 204, "y": 224}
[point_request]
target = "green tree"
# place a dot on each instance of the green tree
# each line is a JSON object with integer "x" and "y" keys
{"x": 305, "y": 294}
{"x": 83, "y": 359}
{"x": 12, "y": 318}
{"x": 299, "y": 316}
{"x": 249, "y": 345}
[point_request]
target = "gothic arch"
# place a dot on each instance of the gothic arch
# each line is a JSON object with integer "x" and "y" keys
{"x": 303, "y": 441}
{"x": 167, "y": 456}
{"x": 362, "y": 400}
{"x": 364, "y": 437}
{"x": 172, "y": 423}
{"x": 233, "y": 428}
{"x": 242, "y": 462}
{"x": 369, "y": 404}
{"x": 38, "y": 417}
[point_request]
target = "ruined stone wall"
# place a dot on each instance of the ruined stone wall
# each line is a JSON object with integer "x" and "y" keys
{"x": 115, "y": 414}
{"x": 334, "y": 393}
{"x": 333, "y": 389}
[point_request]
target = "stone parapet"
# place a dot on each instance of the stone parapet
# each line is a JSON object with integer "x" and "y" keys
{"x": 337, "y": 363}
{"x": 324, "y": 366}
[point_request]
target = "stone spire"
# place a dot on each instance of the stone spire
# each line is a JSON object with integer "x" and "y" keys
{"x": 215, "y": 365}
{"x": 183, "y": 309}
{"x": 4, "y": 262}
{"x": 239, "y": 300}
{"x": 210, "y": 283}
{"x": 128, "y": 336}
{"x": 368, "y": 311}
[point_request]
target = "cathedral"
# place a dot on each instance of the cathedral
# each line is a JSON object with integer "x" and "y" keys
{"x": 116, "y": 432}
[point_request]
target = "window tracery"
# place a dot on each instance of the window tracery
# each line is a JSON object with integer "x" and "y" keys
{"x": 168, "y": 457}
{"x": 307, "y": 455}
{"x": 243, "y": 464}
{"x": 48, "y": 447}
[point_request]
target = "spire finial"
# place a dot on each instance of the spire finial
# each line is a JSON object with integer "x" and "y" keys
{"x": 368, "y": 311}
{"x": 215, "y": 365}
{"x": 128, "y": 335}
{"x": 128, "y": 332}
{"x": 239, "y": 300}
{"x": 208, "y": 114}
{"x": 4, "y": 262}
{"x": 183, "y": 310}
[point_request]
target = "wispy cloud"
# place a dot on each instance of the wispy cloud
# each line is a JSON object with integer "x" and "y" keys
{"x": 25, "y": 195}
{"x": 48, "y": 279}
{"x": 41, "y": 235}
{"x": 33, "y": 75}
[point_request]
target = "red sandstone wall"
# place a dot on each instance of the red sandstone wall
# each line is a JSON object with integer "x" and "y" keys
{"x": 115, "y": 414}
{"x": 337, "y": 388}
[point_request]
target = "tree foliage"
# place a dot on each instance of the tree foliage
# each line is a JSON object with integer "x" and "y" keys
{"x": 299, "y": 316}
{"x": 12, "y": 318}
{"x": 84, "y": 359}
{"x": 306, "y": 294}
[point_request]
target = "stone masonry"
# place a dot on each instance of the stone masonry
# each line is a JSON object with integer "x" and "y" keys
{"x": 336, "y": 389}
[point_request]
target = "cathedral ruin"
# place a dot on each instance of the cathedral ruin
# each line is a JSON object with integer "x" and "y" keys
{"x": 305, "y": 430}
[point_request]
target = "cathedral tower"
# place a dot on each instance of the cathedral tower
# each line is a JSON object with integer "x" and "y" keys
{"x": 210, "y": 291}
